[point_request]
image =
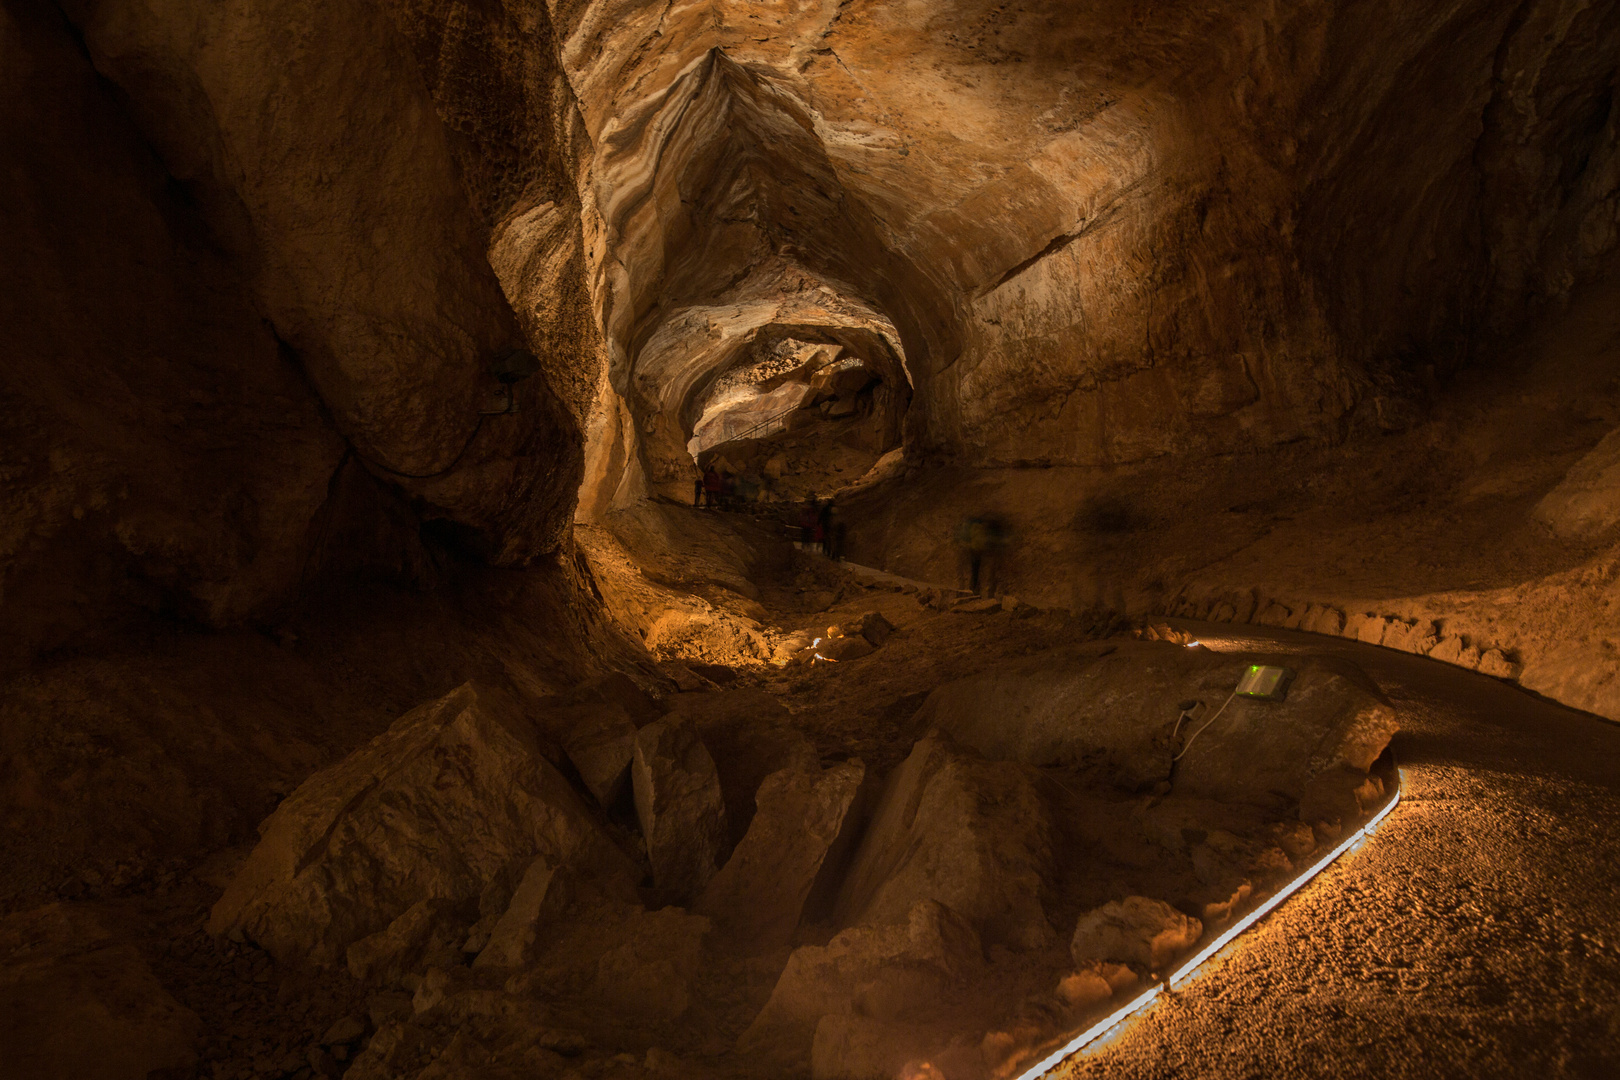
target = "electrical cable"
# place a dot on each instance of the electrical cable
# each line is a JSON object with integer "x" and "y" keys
{"x": 1201, "y": 727}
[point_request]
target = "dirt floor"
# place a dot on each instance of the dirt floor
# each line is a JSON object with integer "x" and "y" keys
{"x": 1475, "y": 935}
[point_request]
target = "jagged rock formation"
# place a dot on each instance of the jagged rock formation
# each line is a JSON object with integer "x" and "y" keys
{"x": 1291, "y": 316}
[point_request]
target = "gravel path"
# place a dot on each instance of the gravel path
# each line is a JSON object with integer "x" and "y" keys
{"x": 1477, "y": 935}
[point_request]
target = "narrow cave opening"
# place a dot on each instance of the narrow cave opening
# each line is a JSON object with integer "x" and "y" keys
{"x": 799, "y": 419}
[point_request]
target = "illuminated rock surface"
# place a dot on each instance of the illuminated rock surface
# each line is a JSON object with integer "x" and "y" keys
{"x": 1268, "y": 319}
{"x": 454, "y": 791}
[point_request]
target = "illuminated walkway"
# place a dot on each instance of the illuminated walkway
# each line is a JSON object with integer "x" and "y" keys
{"x": 1478, "y": 934}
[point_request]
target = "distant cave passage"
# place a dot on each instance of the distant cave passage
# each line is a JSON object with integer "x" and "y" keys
{"x": 805, "y": 419}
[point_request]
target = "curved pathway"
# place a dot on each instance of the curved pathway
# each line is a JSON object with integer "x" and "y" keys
{"x": 1477, "y": 935}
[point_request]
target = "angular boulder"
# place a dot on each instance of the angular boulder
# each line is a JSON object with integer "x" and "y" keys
{"x": 682, "y": 812}
{"x": 434, "y": 808}
{"x": 758, "y": 897}
{"x": 1107, "y": 710}
{"x": 841, "y": 650}
{"x": 749, "y": 735}
{"x": 427, "y": 934}
{"x": 1146, "y": 933}
{"x": 955, "y": 828}
{"x": 512, "y": 940}
{"x": 600, "y": 742}
{"x": 885, "y": 972}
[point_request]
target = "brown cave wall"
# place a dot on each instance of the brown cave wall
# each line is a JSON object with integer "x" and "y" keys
{"x": 161, "y": 449}
{"x": 251, "y": 289}
{"x": 1118, "y": 234}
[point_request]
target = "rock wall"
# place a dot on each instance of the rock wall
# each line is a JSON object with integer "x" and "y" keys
{"x": 252, "y": 316}
{"x": 1109, "y": 236}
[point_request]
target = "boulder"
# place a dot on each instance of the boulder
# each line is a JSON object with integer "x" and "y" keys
{"x": 1108, "y": 710}
{"x": 682, "y": 812}
{"x": 1146, "y": 933}
{"x": 620, "y": 691}
{"x": 849, "y": 1047}
{"x": 886, "y": 972}
{"x": 758, "y": 897}
{"x": 600, "y": 742}
{"x": 954, "y": 828}
{"x": 844, "y": 649}
{"x": 870, "y": 625}
{"x": 512, "y": 939}
{"x": 434, "y": 808}
{"x": 1586, "y": 502}
{"x": 77, "y": 1002}
{"x": 1105, "y": 710}
{"x": 1333, "y": 718}
{"x": 429, "y": 932}
{"x": 749, "y": 735}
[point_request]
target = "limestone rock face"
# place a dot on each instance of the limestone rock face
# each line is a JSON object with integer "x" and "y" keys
{"x": 434, "y": 808}
{"x": 683, "y": 816}
{"x": 884, "y": 972}
{"x": 759, "y": 895}
{"x": 954, "y": 828}
{"x": 1109, "y": 710}
{"x": 1136, "y": 930}
{"x": 75, "y": 1001}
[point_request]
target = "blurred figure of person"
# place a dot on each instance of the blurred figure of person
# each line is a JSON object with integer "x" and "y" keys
{"x": 982, "y": 538}
{"x": 711, "y": 487}
{"x": 728, "y": 489}
{"x": 697, "y": 490}
{"x": 824, "y": 527}
{"x": 807, "y": 523}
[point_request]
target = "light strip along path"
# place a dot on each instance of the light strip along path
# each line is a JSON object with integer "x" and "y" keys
{"x": 1477, "y": 935}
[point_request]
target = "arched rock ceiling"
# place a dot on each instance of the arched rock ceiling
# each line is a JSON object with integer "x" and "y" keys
{"x": 1106, "y": 231}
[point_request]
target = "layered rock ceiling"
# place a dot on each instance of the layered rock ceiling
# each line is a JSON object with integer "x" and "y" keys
{"x": 267, "y": 251}
{"x": 357, "y": 352}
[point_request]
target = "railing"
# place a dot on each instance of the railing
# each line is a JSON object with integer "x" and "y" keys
{"x": 723, "y": 432}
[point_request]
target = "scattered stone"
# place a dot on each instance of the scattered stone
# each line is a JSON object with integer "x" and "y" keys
{"x": 432, "y": 809}
{"x": 1494, "y": 662}
{"x": 844, "y": 649}
{"x": 870, "y": 625}
{"x": 757, "y": 898}
{"x": 975, "y": 605}
{"x": 349, "y": 1029}
{"x": 387, "y": 1008}
{"x": 647, "y": 974}
{"x": 1136, "y": 930}
{"x": 682, "y": 812}
{"x": 968, "y": 833}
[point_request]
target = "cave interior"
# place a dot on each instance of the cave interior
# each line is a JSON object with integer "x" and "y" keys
{"x": 591, "y": 539}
